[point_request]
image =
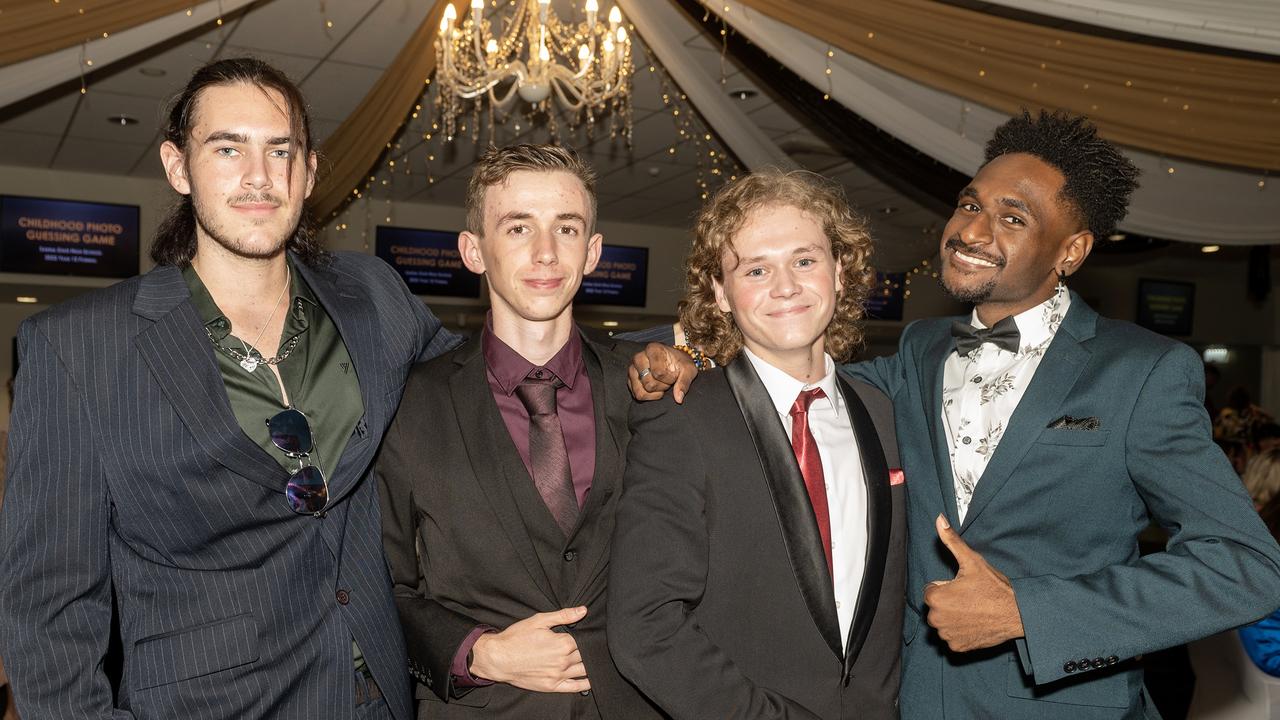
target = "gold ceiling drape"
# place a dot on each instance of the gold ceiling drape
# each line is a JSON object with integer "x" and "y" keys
{"x": 1190, "y": 104}
{"x": 361, "y": 139}
{"x": 32, "y": 28}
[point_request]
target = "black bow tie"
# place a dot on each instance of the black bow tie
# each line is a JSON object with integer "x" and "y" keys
{"x": 1003, "y": 334}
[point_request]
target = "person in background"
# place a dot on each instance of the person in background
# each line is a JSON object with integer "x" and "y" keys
{"x": 1262, "y": 479}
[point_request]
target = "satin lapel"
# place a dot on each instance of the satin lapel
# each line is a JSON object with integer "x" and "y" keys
{"x": 610, "y": 401}
{"x": 790, "y": 499}
{"x": 1052, "y": 383}
{"x": 494, "y": 459}
{"x": 349, "y": 307}
{"x": 931, "y": 373}
{"x": 875, "y": 470}
{"x": 177, "y": 350}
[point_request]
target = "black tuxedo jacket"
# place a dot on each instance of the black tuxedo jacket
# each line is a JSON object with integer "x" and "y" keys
{"x": 470, "y": 541}
{"x": 721, "y": 603}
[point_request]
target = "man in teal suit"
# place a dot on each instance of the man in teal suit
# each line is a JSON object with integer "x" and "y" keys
{"x": 1038, "y": 440}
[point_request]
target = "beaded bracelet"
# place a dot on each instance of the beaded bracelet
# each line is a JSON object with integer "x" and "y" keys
{"x": 700, "y": 361}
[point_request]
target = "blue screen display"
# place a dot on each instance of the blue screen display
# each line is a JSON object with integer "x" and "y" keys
{"x": 428, "y": 260}
{"x": 621, "y": 278}
{"x": 68, "y": 237}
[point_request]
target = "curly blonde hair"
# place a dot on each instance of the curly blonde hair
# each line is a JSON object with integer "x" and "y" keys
{"x": 714, "y": 331}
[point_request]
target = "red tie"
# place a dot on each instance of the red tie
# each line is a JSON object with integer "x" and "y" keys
{"x": 806, "y": 449}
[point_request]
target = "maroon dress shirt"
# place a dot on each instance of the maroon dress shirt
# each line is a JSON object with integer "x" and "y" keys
{"x": 506, "y": 369}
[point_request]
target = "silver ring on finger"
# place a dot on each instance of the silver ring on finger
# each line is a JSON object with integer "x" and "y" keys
{"x": 645, "y": 373}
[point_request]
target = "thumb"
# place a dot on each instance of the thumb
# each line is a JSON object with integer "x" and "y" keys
{"x": 960, "y": 550}
{"x": 564, "y": 616}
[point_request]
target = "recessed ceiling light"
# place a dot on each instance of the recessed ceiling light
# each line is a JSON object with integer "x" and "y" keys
{"x": 1116, "y": 237}
{"x": 1210, "y": 249}
{"x": 609, "y": 323}
{"x": 122, "y": 120}
{"x": 743, "y": 94}
{"x": 888, "y": 209}
{"x": 153, "y": 71}
{"x": 27, "y": 299}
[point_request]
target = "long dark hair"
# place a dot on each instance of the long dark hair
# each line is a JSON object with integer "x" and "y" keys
{"x": 175, "y": 239}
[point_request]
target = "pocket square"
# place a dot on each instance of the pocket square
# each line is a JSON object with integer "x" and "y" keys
{"x": 896, "y": 476}
{"x": 1066, "y": 422}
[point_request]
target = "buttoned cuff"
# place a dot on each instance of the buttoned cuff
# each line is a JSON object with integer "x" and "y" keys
{"x": 460, "y": 667}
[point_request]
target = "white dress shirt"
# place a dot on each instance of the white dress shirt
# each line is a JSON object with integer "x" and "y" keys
{"x": 841, "y": 469}
{"x": 981, "y": 390}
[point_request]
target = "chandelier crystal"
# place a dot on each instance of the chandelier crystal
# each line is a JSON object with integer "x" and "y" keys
{"x": 529, "y": 54}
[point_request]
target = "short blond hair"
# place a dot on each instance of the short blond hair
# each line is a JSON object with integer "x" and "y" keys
{"x": 714, "y": 331}
{"x": 497, "y": 164}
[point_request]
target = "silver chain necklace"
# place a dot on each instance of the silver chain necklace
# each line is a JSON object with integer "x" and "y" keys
{"x": 250, "y": 359}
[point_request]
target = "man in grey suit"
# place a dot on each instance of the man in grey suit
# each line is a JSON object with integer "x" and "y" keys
{"x": 191, "y": 447}
{"x": 1041, "y": 439}
{"x": 497, "y": 531}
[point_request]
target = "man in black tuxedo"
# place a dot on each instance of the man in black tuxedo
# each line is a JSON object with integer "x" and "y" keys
{"x": 502, "y": 471}
{"x": 757, "y": 567}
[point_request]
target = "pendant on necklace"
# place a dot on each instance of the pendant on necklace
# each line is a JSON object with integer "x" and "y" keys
{"x": 249, "y": 363}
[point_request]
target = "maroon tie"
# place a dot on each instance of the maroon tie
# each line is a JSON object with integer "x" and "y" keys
{"x": 548, "y": 455}
{"x": 806, "y": 449}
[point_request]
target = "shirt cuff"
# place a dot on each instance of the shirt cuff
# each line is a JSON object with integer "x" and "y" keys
{"x": 459, "y": 668}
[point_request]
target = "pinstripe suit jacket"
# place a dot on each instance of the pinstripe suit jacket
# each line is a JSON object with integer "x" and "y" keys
{"x": 129, "y": 476}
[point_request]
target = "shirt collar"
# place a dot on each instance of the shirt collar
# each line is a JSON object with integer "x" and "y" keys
{"x": 510, "y": 368}
{"x": 1040, "y": 323}
{"x": 216, "y": 322}
{"x": 784, "y": 389}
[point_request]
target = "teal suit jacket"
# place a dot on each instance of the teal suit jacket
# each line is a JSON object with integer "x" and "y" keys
{"x": 1059, "y": 512}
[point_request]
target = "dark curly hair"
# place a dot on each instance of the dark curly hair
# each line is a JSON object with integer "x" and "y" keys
{"x": 715, "y": 332}
{"x": 175, "y": 238}
{"x": 1097, "y": 178}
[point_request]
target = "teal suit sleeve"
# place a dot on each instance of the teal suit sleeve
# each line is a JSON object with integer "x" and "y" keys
{"x": 1220, "y": 569}
{"x": 886, "y": 374}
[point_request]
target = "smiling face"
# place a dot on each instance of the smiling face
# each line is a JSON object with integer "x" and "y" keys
{"x": 1010, "y": 236}
{"x": 247, "y": 194}
{"x": 780, "y": 282}
{"x": 535, "y": 248}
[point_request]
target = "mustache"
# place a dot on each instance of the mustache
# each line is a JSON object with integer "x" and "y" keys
{"x": 955, "y": 243}
{"x": 261, "y": 197}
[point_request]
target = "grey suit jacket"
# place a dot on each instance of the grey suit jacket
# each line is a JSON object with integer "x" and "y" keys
{"x": 130, "y": 482}
{"x": 720, "y": 598}
{"x": 470, "y": 541}
{"x": 1059, "y": 512}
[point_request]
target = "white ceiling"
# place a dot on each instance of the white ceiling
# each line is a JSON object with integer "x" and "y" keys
{"x": 335, "y": 66}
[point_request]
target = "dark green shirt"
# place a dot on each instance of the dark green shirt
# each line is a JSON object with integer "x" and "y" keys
{"x": 318, "y": 374}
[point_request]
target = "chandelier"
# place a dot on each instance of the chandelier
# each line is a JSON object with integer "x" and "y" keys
{"x": 530, "y": 54}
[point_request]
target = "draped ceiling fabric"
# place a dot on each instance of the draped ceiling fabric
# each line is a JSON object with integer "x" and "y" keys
{"x": 1201, "y": 203}
{"x": 24, "y": 78}
{"x": 38, "y": 27}
{"x": 357, "y": 144}
{"x": 1187, "y": 104}
{"x": 1252, "y": 25}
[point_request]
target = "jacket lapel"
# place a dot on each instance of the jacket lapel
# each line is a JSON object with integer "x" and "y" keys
{"x": 931, "y": 372}
{"x": 611, "y": 402}
{"x": 1052, "y": 383}
{"x": 875, "y": 471}
{"x": 180, "y": 356}
{"x": 494, "y": 459}
{"x": 790, "y": 499}
{"x": 349, "y": 307}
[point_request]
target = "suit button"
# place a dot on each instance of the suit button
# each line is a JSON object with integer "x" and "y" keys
{"x": 570, "y": 555}
{"x": 1069, "y": 667}
{"x": 1098, "y": 663}
{"x": 585, "y": 693}
{"x": 1113, "y": 660}
{"x": 1083, "y": 664}
{"x": 343, "y": 597}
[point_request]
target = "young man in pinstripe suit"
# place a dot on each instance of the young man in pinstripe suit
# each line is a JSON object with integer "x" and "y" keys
{"x": 190, "y": 449}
